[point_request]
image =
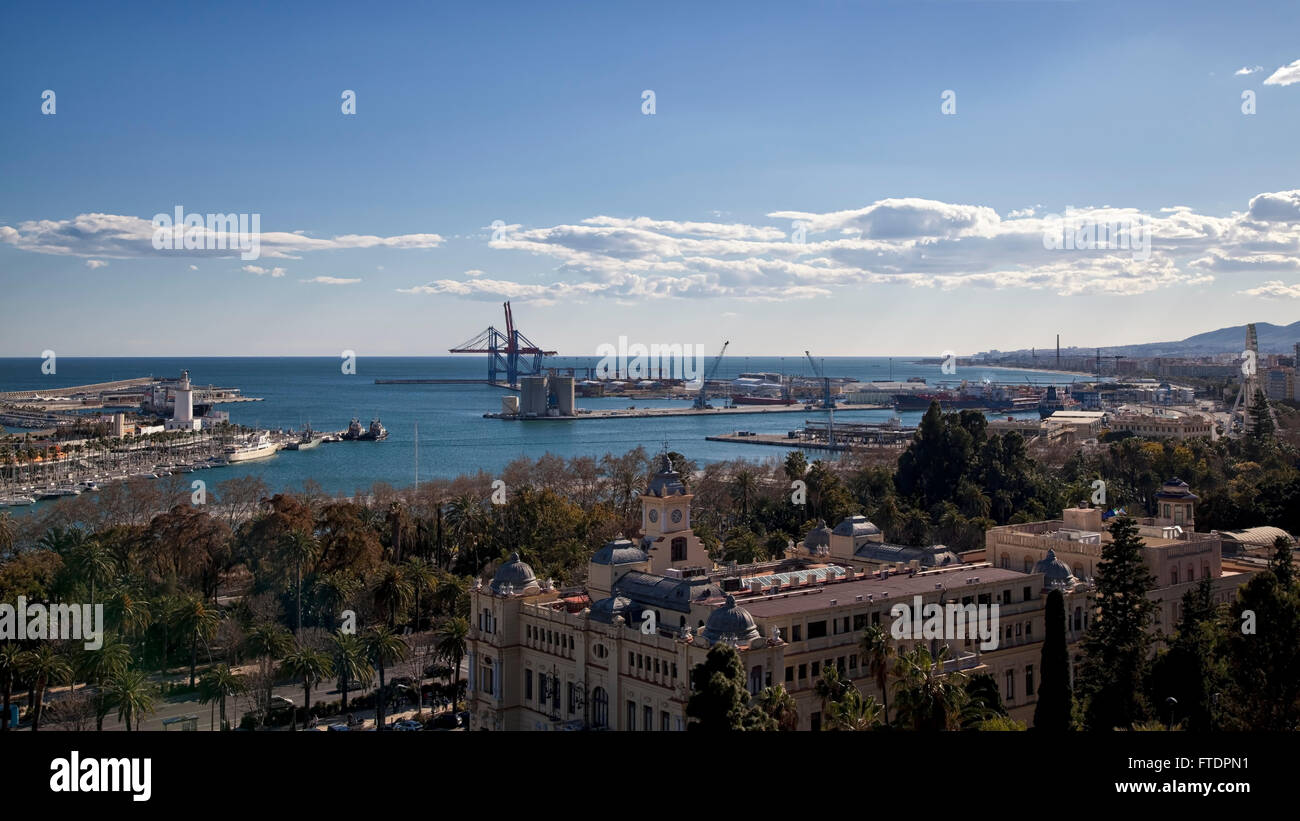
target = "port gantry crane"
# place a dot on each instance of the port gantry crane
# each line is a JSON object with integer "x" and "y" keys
{"x": 702, "y": 398}
{"x": 504, "y": 351}
{"x": 828, "y": 401}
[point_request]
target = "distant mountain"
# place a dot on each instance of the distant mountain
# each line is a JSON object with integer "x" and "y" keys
{"x": 1272, "y": 339}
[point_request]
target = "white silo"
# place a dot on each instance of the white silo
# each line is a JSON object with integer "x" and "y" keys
{"x": 533, "y": 392}
{"x": 562, "y": 387}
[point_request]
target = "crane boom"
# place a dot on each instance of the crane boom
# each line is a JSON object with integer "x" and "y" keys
{"x": 702, "y": 398}
{"x": 827, "y": 400}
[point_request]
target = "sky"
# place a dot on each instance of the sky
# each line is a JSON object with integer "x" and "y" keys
{"x": 853, "y": 178}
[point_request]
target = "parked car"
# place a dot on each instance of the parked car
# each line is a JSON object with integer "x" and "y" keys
{"x": 406, "y": 725}
{"x": 444, "y": 721}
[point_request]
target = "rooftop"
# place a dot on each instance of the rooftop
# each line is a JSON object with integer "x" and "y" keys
{"x": 888, "y": 589}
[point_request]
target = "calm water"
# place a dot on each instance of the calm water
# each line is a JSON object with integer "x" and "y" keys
{"x": 454, "y": 438}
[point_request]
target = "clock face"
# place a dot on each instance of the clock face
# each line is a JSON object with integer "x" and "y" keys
{"x": 677, "y": 516}
{"x": 654, "y": 515}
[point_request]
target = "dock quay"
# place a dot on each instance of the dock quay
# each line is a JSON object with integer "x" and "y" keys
{"x": 643, "y": 413}
{"x": 503, "y": 385}
{"x": 821, "y": 435}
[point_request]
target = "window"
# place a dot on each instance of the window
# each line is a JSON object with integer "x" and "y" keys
{"x": 600, "y": 707}
{"x": 528, "y": 685}
{"x": 674, "y": 669}
{"x": 1006, "y": 562}
{"x": 853, "y": 661}
{"x": 789, "y": 674}
{"x": 1029, "y": 629}
{"x": 1006, "y": 597}
{"x": 1018, "y": 629}
{"x": 1028, "y": 594}
{"x": 1028, "y": 565}
{"x": 665, "y": 722}
{"x": 816, "y": 668}
{"x": 860, "y": 622}
{"x": 756, "y": 679}
{"x": 648, "y": 719}
{"x": 1011, "y": 685}
{"x": 573, "y": 698}
{"x": 840, "y": 665}
{"x": 803, "y": 671}
{"x": 631, "y": 659}
{"x": 875, "y": 618}
{"x": 543, "y": 684}
{"x": 1173, "y": 576}
{"x": 816, "y": 629}
{"x": 487, "y": 679}
{"x": 679, "y": 549}
{"x": 631, "y": 716}
{"x": 1029, "y": 680}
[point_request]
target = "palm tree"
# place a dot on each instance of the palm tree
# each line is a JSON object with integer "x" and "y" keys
{"x": 309, "y": 665}
{"x": 384, "y": 647}
{"x": 44, "y": 666}
{"x": 217, "y": 685}
{"x": 744, "y": 485}
{"x": 422, "y": 578}
{"x": 351, "y": 663}
{"x": 878, "y": 653}
{"x": 451, "y": 644}
{"x": 267, "y": 642}
{"x": 853, "y": 712}
{"x": 928, "y": 698}
{"x": 95, "y": 564}
{"x": 12, "y": 659}
{"x": 392, "y": 593}
{"x": 334, "y": 589}
{"x": 780, "y": 705}
{"x": 197, "y": 622}
{"x": 830, "y": 687}
{"x": 100, "y": 666}
{"x": 128, "y": 614}
{"x": 133, "y": 695}
{"x": 6, "y": 533}
{"x": 299, "y": 547}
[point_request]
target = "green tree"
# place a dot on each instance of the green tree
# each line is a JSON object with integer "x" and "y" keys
{"x": 98, "y": 667}
{"x": 310, "y": 666}
{"x": 1115, "y": 646}
{"x": 299, "y": 547}
{"x": 219, "y": 684}
{"x": 384, "y": 647}
{"x": 1190, "y": 670}
{"x": 878, "y": 653}
{"x": 44, "y": 666}
{"x": 451, "y": 643}
{"x": 195, "y": 622}
{"x": 853, "y": 712}
{"x": 12, "y": 660}
{"x": 928, "y": 698}
{"x": 780, "y": 706}
{"x": 133, "y": 695}
{"x": 720, "y": 701}
{"x": 1055, "y": 704}
{"x": 1263, "y": 655}
{"x": 351, "y": 663}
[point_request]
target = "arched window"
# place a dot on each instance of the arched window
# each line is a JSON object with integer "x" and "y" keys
{"x": 679, "y": 549}
{"x": 756, "y": 679}
{"x": 1029, "y": 565}
{"x": 599, "y": 707}
{"x": 1006, "y": 562}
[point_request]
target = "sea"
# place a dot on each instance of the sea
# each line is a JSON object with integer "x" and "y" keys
{"x": 454, "y": 437}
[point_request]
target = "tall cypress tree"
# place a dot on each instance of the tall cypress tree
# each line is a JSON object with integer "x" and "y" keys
{"x": 1263, "y": 654}
{"x": 1190, "y": 670}
{"x": 1115, "y": 647}
{"x": 1055, "y": 699}
{"x": 720, "y": 701}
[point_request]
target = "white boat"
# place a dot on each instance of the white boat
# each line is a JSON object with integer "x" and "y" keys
{"x": 259, "y": 448}
{"x": 16, "y": 501}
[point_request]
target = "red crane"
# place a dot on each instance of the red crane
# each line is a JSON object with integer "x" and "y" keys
{"x": 504, "y": 351}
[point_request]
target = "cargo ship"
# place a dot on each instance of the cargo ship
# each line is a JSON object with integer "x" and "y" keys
{"x": 760, "y": 389}
{"x": 985, "y": 397}
{"x": 1054, "y": 401}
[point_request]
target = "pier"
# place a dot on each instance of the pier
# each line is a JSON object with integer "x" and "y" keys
{"x": 643, "y": 413}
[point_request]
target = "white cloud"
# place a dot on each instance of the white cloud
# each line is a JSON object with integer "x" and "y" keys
{"x": 125, "y": 237}
{"x": 95, "y": 263}
{"x": 1244, "y": 70}
{"x": 909, "y": 242}
{"x": 333, "y": 280}
{"x": 1275, "y": 289}
{"x": 260, "y": 271}
{"x": 1285, "y": 76}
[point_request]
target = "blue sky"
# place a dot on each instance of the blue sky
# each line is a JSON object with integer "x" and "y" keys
{"x": 923, "y": 229}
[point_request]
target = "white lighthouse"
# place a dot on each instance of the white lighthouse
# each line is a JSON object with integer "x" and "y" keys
{"x": 183, "y": 407}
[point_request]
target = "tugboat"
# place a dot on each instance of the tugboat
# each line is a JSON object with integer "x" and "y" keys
{"x": 353, "y": 433}
{"x": 376, "y": 433}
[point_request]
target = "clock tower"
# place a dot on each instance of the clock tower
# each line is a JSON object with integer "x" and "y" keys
{"x": 666, "y": 533}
